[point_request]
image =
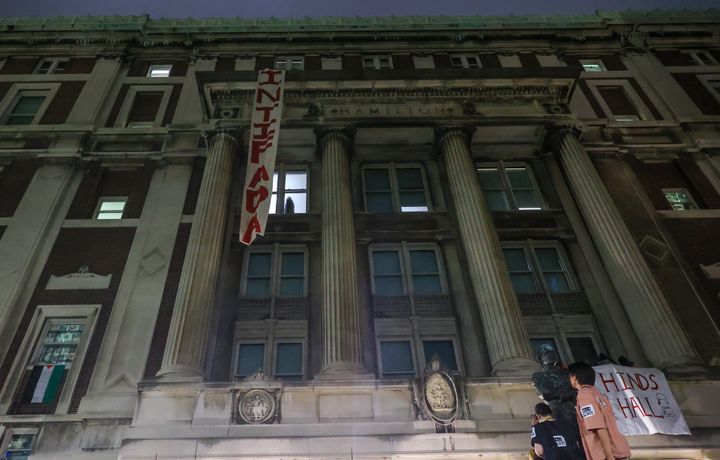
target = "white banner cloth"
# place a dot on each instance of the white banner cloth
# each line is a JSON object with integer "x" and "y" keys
{"x": 641, "y": 400}
{"x": 264, "y": 137}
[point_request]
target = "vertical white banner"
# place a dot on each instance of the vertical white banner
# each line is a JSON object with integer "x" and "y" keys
{"x": 264, "y": 137}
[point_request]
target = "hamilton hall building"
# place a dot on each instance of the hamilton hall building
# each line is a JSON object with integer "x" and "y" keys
{"x": 450, "y": 193}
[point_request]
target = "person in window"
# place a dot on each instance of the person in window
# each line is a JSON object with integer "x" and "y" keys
{"x": 598, "y": 429}
{"x": 553, "y": 439}
{"x": 289, "y": 206}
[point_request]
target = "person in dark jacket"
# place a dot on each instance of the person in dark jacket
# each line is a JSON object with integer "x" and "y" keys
{"x": 554, "y": 439}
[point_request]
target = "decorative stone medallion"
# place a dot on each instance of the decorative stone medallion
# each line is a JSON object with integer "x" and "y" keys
{"x": 439, "y": 395}
{"x": 256, "y": 407}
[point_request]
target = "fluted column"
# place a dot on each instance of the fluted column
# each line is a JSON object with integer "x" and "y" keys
{"x": 342, "y": 344}
{"x": 664, "y": 342}
{"x": 507, "y": 340}
{"x": 187, "y": 337}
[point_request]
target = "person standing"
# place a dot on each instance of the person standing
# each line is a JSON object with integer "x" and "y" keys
{"x": 554, "y": 439}
{"x": 598, "y": 428}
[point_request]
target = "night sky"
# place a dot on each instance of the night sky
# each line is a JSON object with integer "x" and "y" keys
{"x": 301, "y": 8}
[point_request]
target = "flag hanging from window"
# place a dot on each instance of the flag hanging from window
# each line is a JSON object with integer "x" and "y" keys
{"x": 264, "y": 136}
{"x": 44, "y": 383}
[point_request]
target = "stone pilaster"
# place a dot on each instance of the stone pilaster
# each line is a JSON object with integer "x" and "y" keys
{"x": 662, "y": 339}
{"x": 342, "y": 343}
{"x": 187, "y": 338}
{"x": 507, "y": 340}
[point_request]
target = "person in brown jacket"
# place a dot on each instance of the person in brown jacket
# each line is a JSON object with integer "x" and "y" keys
{"x": 598, "y": 428}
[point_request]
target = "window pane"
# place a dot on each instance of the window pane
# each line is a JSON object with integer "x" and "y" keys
{"x": 250, "y": 358}
{"x": 535, "y": 344}
{"x": 490, "y": 179}
{"x": 497, "y": 201}
{"x": 20, "y": 119}
{"x": 112, "y": 206}
{"x": 444, "y": 350}
{"x": 275, "y": 182}
{"x": 427, "y": 285}
{"x": 583, "y": 349}
{"x": 259, "y": 264}
{"x": 258, "y": 287}
{"x": 388, "y": 285}
{"x": 409, "y": 178}
{"x": 386, "y": 262}
{"x": 396, "y": 357}
{"x": 379, "y": 202}
{"x": 293, "y": 263}
{"x": 557, "y": 282}
{"x": 548, "y": 258}
{"x": 515, "y": 259}
{"x": 377, "y": 179}
{"x": 412, "y": 200}
{"x": 423, "y": 261}
{"x": 519, "y": 177}
{"x": 526, "y": 200}
{"x": 523, "y": 283}
{"x": 28, "y": 105}
{"x": 295, "y": 203}
{"x": 296, "y": 180}
{"x": 292, "y": 287}
{"x": 109, "y": 215}
{"x": 288, "y": 360}
{"x": 273, "y": 203}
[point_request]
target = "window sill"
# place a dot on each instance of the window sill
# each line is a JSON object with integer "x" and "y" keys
{"x": 690, "y": 214}
{"x": 93, "y": 223}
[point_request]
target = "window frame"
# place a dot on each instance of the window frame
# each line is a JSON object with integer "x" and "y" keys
{"x": 332, "y": 63}
{"x": 692, "y": 201}
{"x": 529, "y": 247}
{"x": 501, "y": 167}
{"x": 455, "y": 344}
{"x": 19, "y": 90}
{"x": 695, "y": 56}
{"x": 291, "y": 60}
{"x": 159, "y": 67}
{"x": 464, "y": 62}
{"x": 52, "y": 69}
{"x": 127, "y": 105}
{"x": 276, "y": 250}
{"x": 392, "y": 169}
{"x": 563, "y": 330}
{"x": 282, "y": 170}
{"x": 400, "y": 338}
{"x": 593, "y": 62}
{"x": 108, "y": 199}
{"x": 236, "y": 355}
{"x": 377, "y": 61}
{"x": 30, "y": 347}
{"x": 423, "y": 61}
{"x": 643, "y": 113}
{"x": 712, "y": 83}
{"x": 303, "y": 357}
{"x": 10, "y": 431}
{"x": 404, "y": 250}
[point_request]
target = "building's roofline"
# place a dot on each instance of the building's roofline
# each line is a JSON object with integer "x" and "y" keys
{"x": 146, "y": 25}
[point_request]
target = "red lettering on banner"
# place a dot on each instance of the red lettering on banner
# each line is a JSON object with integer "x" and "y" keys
{"x": 622, "y": 379}
{"x": 252, "y": 227}
{"x": 271, "y": 74}
{"x": 640, "y": 381}
{"x": 250, "y": 195}
{"x": 258, "y": 148}
{"x": 624, "y": 408}
{"x": 609, "y": 380}
{"x": 636, "y": 405}
{"x": 265, "y": 132}
{"x": 260, "y": 174}
{"x": 268, "y": 95}
{"x": 266, "y": 111}
{"x": 655, "y": 385}
{"x": 652, "y": 411}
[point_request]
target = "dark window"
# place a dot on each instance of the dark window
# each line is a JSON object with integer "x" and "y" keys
{"x": 395, "y": 188}
{"x": 397, "y": 359}
{"x": 251, "y": 357}
{"x": 617, "y": 101}
{"x": 583, "y": 349}
{"x": 387, "y": 273}
{"x": 535, "y": 344}
{"x": 425, "y": 272}
{"x": 288, "y": 360}
{"x": 25, "y": 109}
{"x": 145, "y": 108}
{"x": 445, "y": 351}
{"x": 292, "y": 274}
{"x": 259, "y": 275}
{"x": 509, "y": 188}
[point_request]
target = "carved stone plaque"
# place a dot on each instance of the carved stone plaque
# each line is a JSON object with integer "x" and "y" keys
{"x": 257, "y": 407}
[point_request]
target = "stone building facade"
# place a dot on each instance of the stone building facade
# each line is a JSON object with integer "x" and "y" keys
{"x": 465, "y": 188}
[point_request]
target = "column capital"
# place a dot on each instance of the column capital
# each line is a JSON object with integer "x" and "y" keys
{"x": 233, "y": 132}
{"x": 346, "y": 133}
{"x": 442, "y": 132}
{"x": 554, "y": 131}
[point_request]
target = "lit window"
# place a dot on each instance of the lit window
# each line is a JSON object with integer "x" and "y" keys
{"x": 377, "y": 62}
{"x": 159, "y": 71}
{"x": 110, "y": 208}
{"x": 251, "y": 357}
{"x": 288, "y": 361}
{"x": 593, "y": 65}
{"x": 289, "y": 63}
{"x": 465, "y": 61}
{"x": 395, "y": 188}
{"x": 49, "y": 66}
{"x": 275, "y": 272}
{"x": 702, "y": 58}
{"x": 26, "y": 109}
{"x": 289, "y": 192}
{"x": 679, "y": 198}
{"x": 537, "y": 267}
{"x": 388, "y": 268}
{"x": 509, "y": 187}
{"x": 19, "y": 447}
{"x": 396, "y": 359}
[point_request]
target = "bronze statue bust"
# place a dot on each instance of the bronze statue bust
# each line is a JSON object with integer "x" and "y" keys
{"x": 553, "y": 385}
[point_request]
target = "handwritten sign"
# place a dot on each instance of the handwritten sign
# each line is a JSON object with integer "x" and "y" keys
{"x": 264, "y": 137}
{"x": 641, "y": 400}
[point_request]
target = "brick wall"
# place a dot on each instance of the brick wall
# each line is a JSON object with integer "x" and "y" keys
{"x": 14, "y": 181}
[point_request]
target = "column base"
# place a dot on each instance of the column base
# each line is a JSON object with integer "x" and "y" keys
{"x": 180, "y": 373}
{"x": 344, "y": 370}
{"x": 683, "y": 366}
{"x": 515, "y": 367}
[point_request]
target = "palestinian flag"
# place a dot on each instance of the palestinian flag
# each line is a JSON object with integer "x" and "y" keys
{"x": 44, "y": 383}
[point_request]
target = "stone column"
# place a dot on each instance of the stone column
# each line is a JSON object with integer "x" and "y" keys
{"x": 187, "y": 338}
{"x": 662, "y": 339}
{"x": 342, "y": 342}
{"x": 507, "y": 341}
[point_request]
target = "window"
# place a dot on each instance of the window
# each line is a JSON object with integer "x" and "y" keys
{"x": 246, "y": 63}
{"x": 289, "y": 192}
{"x": 702, "y": 58}
{"x": 536, "y": 343}
{"x": 424, "y": 62}
{"x": 331, "y": 63}
{"x": 465, "y": 61}
{"x": 288, "y": 361}
{"x": 278, "y": 271}
{"x": 49, "y": 66}
{"x": 289, "y": 63}
{"x": 583, "y": 349}
{"x": 510, "y": 60}
{"x": 424, "y": 274}
{"x": 26, "y": 108}
{"x": 621, "y": 107}
{"x": 679, "y": 198}
{"x": 569, "y": 350}
{"x": 159, "y": 71}
{"x": 537, "y": 267}
{"x": 395, "y": 188}
{"x": 377, "y": 62}
{"x": 110, "y": 208}
{"x": 251, "y": 357}
{"x": 444, "y": 350}
{"x": 396, "y": 360}
{"x": 593, "y": 65}
{"x": 146, "y": 105}
{"x": 19, "y": 443}
{"x": 509, "y": 187}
